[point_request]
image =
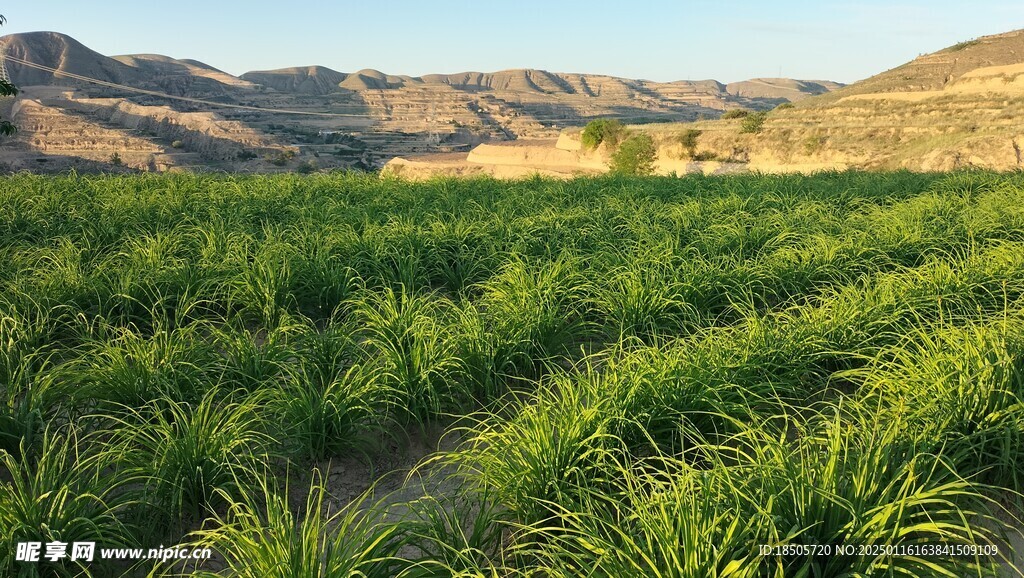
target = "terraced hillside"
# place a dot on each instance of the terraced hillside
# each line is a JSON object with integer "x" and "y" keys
{"x": 962, "y": 107}
{"x": 315, "y": 117}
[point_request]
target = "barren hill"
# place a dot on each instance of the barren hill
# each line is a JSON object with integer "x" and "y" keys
{"x": 303, "y": 79}
{"x": 313, "y": 116}
{"x": 959, "y": 107}
{"x": 533, "y": 83}
{"x": 937, "y": 70}
{"x": 154, "y": 66}
{"x": 65, "y": 54}
{"x": 956, "y": 108}
{"x": 786, "y": 88}
{"x": 149, "y": 71}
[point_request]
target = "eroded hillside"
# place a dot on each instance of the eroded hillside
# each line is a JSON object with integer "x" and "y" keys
{"x": 961, "y": 107}
{"x": 79, "y": 108}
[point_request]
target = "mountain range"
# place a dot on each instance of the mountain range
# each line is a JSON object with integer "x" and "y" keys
{"x": 87, "y": 108}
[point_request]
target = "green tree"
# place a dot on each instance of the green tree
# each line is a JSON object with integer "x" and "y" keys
{"x": 602, "y": 130}
{"x": 689, "y": 141}
{"x": 7, "y": 89}
{"x": 307, "y": 167}
{"x": 636, "y": 156}
{"x": 753, "y": 123}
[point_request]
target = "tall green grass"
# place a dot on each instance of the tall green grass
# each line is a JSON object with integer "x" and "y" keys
{"x": 650, "y": 377}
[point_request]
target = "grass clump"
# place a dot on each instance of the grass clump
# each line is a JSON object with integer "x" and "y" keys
{"x": 68, "y": 492}
{"x": 261, "y": 536}
{"x": 193, "y": 454}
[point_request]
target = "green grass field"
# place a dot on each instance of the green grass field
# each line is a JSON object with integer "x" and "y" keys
{"x": 649, "y": 376}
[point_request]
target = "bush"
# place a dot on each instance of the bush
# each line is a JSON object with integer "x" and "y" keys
{"x": 635, "y": 156}
{"x": 177, "y": 144}
{"x": 785, "y": 106}
{"x": 245, "y": 155}
{"x": 735, "y": 113}
{"x": 689, "y": 141}
{"x": 602, "y": 130}
{"x": 753, "y": 123}
{"x": 307, "y": 167}
{"x": 281, "y": 158}
{"x": 813, "y": 143}
{"x": 115, "y": 159}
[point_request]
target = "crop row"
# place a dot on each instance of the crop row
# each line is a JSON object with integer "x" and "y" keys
{"x": 650, "y": 376}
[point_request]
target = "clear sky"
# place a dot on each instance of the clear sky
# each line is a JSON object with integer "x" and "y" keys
{"x": 653, "y": 39}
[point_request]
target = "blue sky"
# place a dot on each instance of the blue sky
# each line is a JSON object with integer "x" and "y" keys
{"x": 654, "y": 39}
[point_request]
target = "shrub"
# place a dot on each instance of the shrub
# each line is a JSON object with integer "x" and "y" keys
{"x": 115, "y": 159}
{"x": 279, "y": 160}
{"x": 689, "y": 141}
{"x": 735, "y": 113}
{"x": 177, "y": 144}
{"x": 635, "y": 156}
{"x": 753, "y": 123}
{"x": 813, "y": 144}
{"x": 307, "y": 167}
{"x": 602, "y": 130}
{"x": 245, "y": 155}
{"x": 785, "y": 106}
